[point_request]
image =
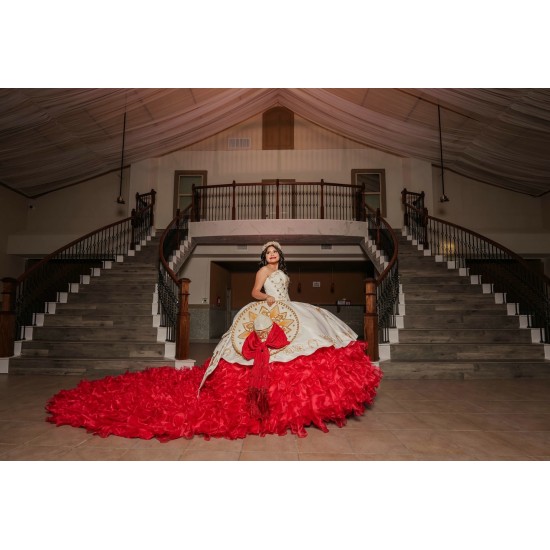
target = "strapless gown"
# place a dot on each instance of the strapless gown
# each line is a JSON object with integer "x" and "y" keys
{"x": 322, "y": 376}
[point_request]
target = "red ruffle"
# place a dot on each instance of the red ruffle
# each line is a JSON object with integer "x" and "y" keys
{"x": 163, "y": 402}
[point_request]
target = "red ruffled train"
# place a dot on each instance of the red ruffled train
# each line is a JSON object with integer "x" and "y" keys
{"x": 164, "y": 402}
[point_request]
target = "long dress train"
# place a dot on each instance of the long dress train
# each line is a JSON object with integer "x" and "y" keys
{"x": 323, "y": 375}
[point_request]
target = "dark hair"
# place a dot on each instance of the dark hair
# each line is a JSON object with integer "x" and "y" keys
{"x": 282, "y": 263}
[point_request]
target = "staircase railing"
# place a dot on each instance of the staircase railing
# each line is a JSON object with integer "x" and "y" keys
{"x": 30, "y": 294}
{"x": 382, "y": 292}
{"x": 173, "y": 293}
{"x": 505, "y": 270}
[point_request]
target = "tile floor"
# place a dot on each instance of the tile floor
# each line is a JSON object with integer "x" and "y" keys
{"x": 411, "y": 420}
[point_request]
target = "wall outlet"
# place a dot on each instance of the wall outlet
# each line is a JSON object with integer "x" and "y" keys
{"x": 205, "y": 300}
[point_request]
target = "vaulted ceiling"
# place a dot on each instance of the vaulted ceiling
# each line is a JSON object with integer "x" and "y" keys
{"x": 51, "y": 138}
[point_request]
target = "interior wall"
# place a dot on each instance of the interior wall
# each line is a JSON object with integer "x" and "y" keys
{"x": 517, "y": 221}
{"x": 347, "y": 285}
{"x": 317, "y": 154}
{"x": 56, "y": 219}
{"x": 13, "y": 217}
{"x": 220, "y": 281}
{"x": 80, "y": 209}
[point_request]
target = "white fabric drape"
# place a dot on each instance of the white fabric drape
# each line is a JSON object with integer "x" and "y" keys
{"x": 50, "y": 138}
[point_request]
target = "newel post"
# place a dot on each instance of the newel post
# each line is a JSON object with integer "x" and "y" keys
{"x": 7, "y": 317}
{"x": 371, "y": 320}
{"x": 182, "y": 327}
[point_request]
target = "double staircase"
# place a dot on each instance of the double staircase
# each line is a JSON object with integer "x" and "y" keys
{"x": 452, "y": 326}
{"x": 104, "y": 325}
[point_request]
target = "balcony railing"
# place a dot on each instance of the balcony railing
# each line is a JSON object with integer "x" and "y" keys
{"x": 278, "y": 200}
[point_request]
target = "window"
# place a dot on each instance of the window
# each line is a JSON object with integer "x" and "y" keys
{"x": 278, "y": 129}
{"x": 373, "y": 182}
{"x": 183, "y": 187}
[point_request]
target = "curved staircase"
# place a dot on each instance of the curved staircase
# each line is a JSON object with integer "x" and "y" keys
{"x": 451, "y": 328}
{"x": 103, "y": 325}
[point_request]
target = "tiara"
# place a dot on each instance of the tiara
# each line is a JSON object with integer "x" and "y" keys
{"x": 271, "y": 243}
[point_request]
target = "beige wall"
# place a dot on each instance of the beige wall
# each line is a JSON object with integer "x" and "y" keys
{"x": 332, "y": 165}
{"x": 517, "y": 221}
{"x": 13, "y": 217}
{"x": 60, "y": 217}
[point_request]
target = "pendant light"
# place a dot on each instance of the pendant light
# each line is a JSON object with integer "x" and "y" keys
{"x": 120, "y": 199}
{"x": 443, "y": 197}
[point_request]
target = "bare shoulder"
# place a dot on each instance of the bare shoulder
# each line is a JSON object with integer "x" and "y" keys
{"x": 262, "y": 274}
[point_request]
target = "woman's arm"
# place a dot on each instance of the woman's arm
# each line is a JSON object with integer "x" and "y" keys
{"x": 257, "y": 293}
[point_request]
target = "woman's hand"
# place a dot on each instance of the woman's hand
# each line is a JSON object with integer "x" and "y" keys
{"x": 270, "y": 300}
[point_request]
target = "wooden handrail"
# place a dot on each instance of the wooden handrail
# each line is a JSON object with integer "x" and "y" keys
{"x": 425, "y": 217}
{"x": 180, "y": 289}
{"x": 373, "y": 288}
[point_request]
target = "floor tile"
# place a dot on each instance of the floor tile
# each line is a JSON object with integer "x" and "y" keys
{"x": 29, "y": 452}
{"x": 270, "y": 443}
{"x": 376, "y": 442}
{"x": 410, "y": 420}
{"x": 334, "y": 441}
{"x": 194, "y": 455}
{"x": 273, "y": 456}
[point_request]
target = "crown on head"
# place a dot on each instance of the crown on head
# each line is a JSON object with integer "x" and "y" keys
{"x": 271, "y": 243}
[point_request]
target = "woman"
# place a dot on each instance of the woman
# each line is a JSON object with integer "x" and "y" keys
{"x": 282, "y": 366}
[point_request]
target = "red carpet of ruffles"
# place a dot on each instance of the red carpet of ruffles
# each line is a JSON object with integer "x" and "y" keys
{"x": 163, "y": 402}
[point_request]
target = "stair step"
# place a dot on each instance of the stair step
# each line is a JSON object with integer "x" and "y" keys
{"x": 101, "y": 308}
{"x": 448, "y": 297}
{"x": 98, "y": 349}
{"x": 121, "y": 286}
{"x": 464, "y": 370}
{"x": 457, "y": 336}
{"x": 456, "y": 307}
{"x": 460, "y": 320}
{"x": 82, "y": 366}
{"x": 437, "y": 279}
{"x": 89, "y": 334}
{"x": 466, "y": 352}
{"x": 113, "y": 297}
{"x": 437, "y": 288}
{"x": 67, "y": 320}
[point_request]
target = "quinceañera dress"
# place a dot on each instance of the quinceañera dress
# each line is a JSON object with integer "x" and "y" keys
{"x": 278, "y": 368}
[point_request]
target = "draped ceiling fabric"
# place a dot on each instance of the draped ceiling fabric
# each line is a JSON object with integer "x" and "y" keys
{"x": 52, "y": 138}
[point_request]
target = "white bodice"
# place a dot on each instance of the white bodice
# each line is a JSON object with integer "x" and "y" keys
{"x": 276, "y": 285}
